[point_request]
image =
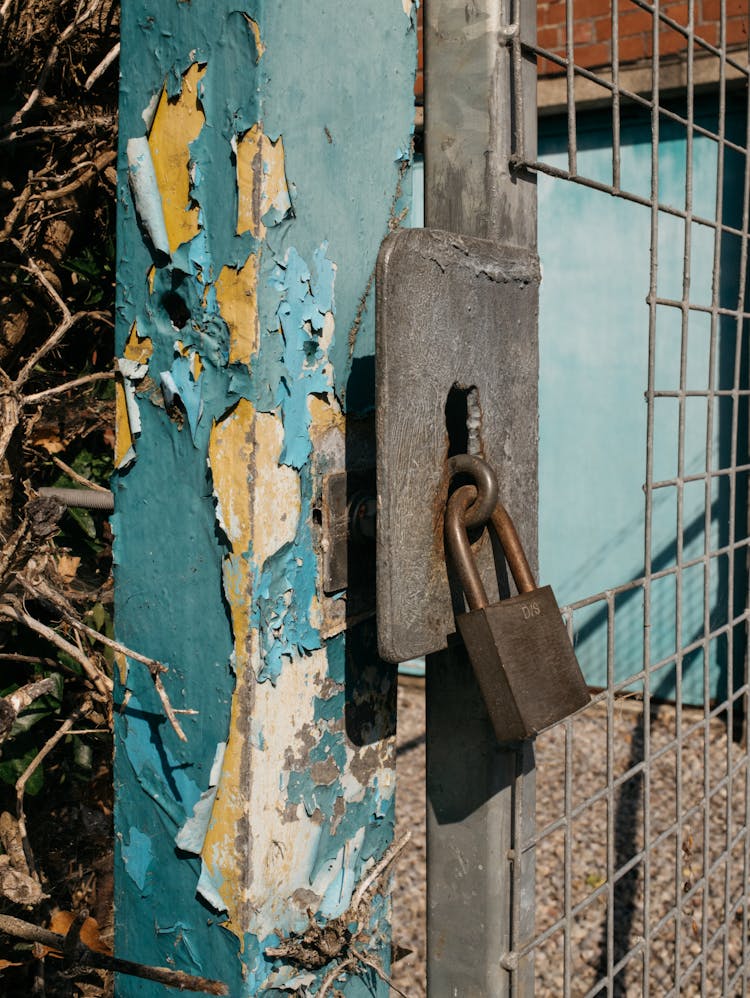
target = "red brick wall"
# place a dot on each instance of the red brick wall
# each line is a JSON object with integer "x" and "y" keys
{"x": 592, "y": 32}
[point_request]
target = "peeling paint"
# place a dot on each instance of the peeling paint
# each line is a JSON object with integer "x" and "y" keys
{"x": 127, "y": 413}
{"x": 255, "y": 28}
{"x": 177, "y": 123}
{"x": 137, "y": 856}
{"x": 261, "y": 182}
{"x": 251, "y": 211}
{"x": 236, "y": 292}
{"x": 146, "y": 194}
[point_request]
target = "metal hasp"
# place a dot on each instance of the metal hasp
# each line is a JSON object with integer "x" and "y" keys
{"x": 455, "y": 315}
{"x": 519, "y": 649}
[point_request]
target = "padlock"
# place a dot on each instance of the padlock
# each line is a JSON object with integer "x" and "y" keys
{"x": 519, "y": 648}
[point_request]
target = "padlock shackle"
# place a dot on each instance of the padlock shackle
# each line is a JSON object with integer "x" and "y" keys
{"x": 486, "y": 482}
{"x": 515, "y": 555}
{"x": 457, "y": 543}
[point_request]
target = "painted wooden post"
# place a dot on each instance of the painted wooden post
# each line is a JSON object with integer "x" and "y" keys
{"x": 264, "y": 155}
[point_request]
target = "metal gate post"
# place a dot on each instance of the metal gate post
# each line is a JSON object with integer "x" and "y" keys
{"x": 264, "y": 155}
{"x": 480, "y": 102}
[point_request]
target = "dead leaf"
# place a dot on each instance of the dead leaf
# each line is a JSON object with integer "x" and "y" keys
{"x": 19, "y": 887}
{"x": 61, "y": 922}
{"x": 4, "y": 964}
{"x": 67, "y": 566}
{"x": 52, "y": 444}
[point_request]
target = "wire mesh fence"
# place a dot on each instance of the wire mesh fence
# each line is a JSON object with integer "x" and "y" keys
{"x": 641, "y": 833}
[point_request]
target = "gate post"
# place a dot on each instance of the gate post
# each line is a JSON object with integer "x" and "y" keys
{"x": 264, "y": 155}
{"x": 480, "y": 118}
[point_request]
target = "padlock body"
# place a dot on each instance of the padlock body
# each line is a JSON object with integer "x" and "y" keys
{"x": 524, "y": 662}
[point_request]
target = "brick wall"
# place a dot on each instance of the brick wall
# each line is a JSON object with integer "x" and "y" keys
{"x": 592, "y": 32}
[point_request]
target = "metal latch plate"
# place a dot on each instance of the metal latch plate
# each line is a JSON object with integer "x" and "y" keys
{"x": 452, "y": 311}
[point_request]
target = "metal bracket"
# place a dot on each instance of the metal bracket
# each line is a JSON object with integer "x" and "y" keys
{"x": 455, "y": 315}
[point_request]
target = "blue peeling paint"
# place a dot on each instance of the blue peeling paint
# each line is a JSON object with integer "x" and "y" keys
{"x": 302, "y": 358}
{"x": 146, "y": 193}
{"x": 137, "y": 856}
{"x": 283, "y": 623}
{"x": 340, "y": 111}
{"x": 178, "y": 384}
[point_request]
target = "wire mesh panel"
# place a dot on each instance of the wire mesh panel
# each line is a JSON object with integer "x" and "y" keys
{"x": 642, "y": 847}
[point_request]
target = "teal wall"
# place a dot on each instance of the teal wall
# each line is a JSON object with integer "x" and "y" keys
{"x": 594, "y": 317}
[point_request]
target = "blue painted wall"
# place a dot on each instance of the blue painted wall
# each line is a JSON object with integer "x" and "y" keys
{"x": 594, "y": 371}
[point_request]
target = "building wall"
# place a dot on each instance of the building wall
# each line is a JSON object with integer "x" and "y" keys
{"x": 592, "y": 33}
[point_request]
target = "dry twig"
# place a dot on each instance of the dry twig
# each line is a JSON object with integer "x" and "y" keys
{"x": 103, "y": 66}
{"x": 155, "y": 668}
{"x": 82, "y": 956}
{"x": 38, "y": 759}
{"x": 66, "y": 387}
{"x": 101, "y": 682}
{"x": 71, "y": 473}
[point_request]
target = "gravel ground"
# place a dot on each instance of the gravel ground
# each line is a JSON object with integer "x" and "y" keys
{"x": 713, "y": 769}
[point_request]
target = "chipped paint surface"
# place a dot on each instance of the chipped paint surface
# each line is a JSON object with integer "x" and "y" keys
{"x": 261, "y": 182}
{"x": 236, "y": 292}
{"x": 257, "y": 182}
{"x": 176, "y": 124}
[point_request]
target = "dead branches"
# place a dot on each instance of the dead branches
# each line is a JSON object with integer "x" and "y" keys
{"x": 343, "y": 941}
{"x": 77, "y": 954}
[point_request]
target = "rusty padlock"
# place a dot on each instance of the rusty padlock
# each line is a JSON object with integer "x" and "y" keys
{"x": 519, "y": 649}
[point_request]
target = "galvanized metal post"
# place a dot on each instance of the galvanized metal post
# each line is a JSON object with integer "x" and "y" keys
{"x": 479, "y": 89}
{"x": 264, "y": 155}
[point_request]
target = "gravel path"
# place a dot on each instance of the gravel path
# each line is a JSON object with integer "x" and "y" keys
{"x": 686, "y": 910}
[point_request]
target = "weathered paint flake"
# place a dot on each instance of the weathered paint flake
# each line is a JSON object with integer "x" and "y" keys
{"x": 176, "y": 124}
{"x": 236, "y": 292}
{"x": 261, "y": 182}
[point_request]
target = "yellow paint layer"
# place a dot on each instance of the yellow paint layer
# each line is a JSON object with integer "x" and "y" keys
{"x": 277, "y": 502}
{"x": 260, "y": 48}
{"x": 138, "y": 348}
{"x": 261, "y": 180}
{"x": 246, "y": 444}
{"x": 176, "y": 124}
{"x": 236, "y": 291}
{"x": 123, "y": 435}
{"x": 196, "y": 364}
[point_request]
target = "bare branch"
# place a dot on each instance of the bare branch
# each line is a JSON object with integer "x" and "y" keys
{"x": 50, "y": 62}
{"x": 8, "y": 552}
{"x": 74, "y": 125}
{"x": 379, "y": 869}
{"x": 76, "y": 477}
{"x": 18, "y": 206}
{"x": 363, "y": 958}
{"x": 103, "y": 66}
{"x": 86, "y": 957}
{"x": 60, "y": 192}
{"x": 38, "y": 759}
{"x": 51, "y": 342}
{"x": 34, "y": 268}
{"x": 327, "y": 983}
{"x": 102, "y": 683}
{"x": 66, "y": 387}
{"x": 12, "y": 705}
{"x": 154, "y": 667}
